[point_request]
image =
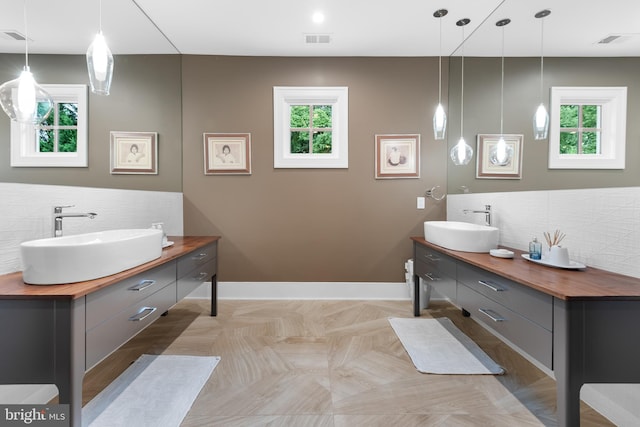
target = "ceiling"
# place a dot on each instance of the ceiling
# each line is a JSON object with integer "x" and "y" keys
{"x": 353, "y": 27}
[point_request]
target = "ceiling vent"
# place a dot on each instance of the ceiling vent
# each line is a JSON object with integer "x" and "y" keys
{"x": 12, "y": 35}
{"x": 618, "y": 38}
{"x": 317, "y": 38}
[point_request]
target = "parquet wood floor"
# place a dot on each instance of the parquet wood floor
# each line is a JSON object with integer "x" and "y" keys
{"x": 334, "y": 363}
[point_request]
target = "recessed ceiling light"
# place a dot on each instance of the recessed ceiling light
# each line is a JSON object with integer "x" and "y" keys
{"x": 318, "y": 17}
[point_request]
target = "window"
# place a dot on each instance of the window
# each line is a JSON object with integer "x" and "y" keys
{"x": 61, "y": 140}
{"x": 310, "y": 127}
{"x": 588, "y": 128}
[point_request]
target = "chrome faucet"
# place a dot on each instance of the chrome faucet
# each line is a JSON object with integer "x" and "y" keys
{"x": 486, "y": 212}
{"x": 58, "y": 215}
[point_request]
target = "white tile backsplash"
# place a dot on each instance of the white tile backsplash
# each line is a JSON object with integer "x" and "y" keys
{"x": 602, "y": 225}
{"x": 27, "y": 213}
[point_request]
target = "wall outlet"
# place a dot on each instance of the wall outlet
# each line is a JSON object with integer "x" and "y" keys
{"x": 420, "y": 203}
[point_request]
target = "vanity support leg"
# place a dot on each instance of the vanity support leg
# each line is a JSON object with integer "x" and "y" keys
{"x": 214, "y": 295}
{"x": 416, "y": 295}
{"x": 568, "y": 361}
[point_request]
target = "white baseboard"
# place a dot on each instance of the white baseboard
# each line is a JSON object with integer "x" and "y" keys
{"x": 29, "y": 394}
{"x": 306, "y": 290}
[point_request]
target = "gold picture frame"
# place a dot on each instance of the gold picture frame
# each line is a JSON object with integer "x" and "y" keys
{"x": 486, "y": 169}
{"x": 227, "y": 153}
{"x": 134, "y": 153}
{"x": 397, "y": 156}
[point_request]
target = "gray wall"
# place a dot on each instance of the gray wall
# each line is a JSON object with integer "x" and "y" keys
{"x": 310, "y": 224}
{"x": 146, "y": 96}
{"x": 521, "y": 98}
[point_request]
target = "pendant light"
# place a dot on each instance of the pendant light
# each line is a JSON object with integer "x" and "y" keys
{"x": 541, "y": 117}
{"x": 501, "y": 154}
{"x": 440, "y": 118}
{"x": 100, "y": 63}
{"x": 24, "y": 100}
{"x": 461, "y": 153}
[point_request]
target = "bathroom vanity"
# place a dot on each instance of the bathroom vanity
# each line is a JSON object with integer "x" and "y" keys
{"x": 582, "y": 324}
{"x": 53, "y": 334}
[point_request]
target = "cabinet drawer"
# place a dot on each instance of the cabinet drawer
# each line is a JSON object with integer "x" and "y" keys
{"x": 530, "y": 337}
{"x": 195, "y": 278}
{"x": 196, "y": 259}
{"x": 105, "y": 303}
{"x": 442, "y": 284}
{"x": 535, "y": 306}
{"x": 108, "y": 336}
{"x": 444, "y": 264}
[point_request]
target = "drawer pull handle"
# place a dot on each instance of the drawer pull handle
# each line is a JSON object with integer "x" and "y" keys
{"x": 431, "y": 277}
{"x": 200, "y": 276}
{"x": 142, "y": 314}
{"x": 432, "y": 257}
{"x": 200, "y": 256}
{"x": 144, "y": 284}
{"x": 491, "y": 285}
{"x": 492, "y": 315}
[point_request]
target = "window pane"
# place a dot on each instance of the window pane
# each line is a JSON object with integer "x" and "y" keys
{"x": 568, "y": 116}
{"x": 299, "y": 142}
{"x": 322, "y": 116}
{"x": 322, "y": 143}
{"x": 45, "y": 140}
{"x": 68, "y": 140}
{"x": 300, "y": 116}
{"x": 590, "y": 142}
{"x": 591, "y": 116}
{"x": 68, "y": 114}
{"x": 568, "y": 143}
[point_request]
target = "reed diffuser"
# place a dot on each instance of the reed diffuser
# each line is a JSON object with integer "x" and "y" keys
{"x": 554, "y": 240}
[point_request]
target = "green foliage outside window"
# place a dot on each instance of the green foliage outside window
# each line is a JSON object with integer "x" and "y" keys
{"x": 579, "y": 131}
{"x": 62, "y": 127}
{"x": 311, "y": 129}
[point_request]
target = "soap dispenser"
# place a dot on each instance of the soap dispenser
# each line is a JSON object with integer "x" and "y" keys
{"x": 535, "y": 249}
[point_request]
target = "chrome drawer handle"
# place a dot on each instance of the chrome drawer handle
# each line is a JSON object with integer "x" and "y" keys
{"x": 200, "y": 276}
{"x": 492, "y": 315}
{"x": 142, "y": 314}
{"x": 144, "y": 284}
{"x": 491, "y": 285}
{"x": 200, "y": 257}
{"x": 431, "y": 277}
{"x": 431, "y": 257}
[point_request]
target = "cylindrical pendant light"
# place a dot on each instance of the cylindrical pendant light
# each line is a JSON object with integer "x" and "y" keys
{"x": 541, "y": 116}
{"x": 440, "y": 117}
{"x": 24, "y": 100}
{"x": 100, "y": 63}
{"x": 461, "y": 153}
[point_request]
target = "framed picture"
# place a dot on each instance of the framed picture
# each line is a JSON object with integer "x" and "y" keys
{"x": 397, "y": 156}
{"x": 227, "y": 154}
{"x": 488, "y": 168}
{"x": 134, "y": 153}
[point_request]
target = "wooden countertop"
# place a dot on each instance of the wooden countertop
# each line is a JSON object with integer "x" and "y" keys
{"x": 590, "y": 283}
{"x": 12, "y": 286}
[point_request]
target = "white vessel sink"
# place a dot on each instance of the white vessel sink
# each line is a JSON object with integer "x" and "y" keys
{"x": 88, "y": 256}
{"x": 461, "y": 236}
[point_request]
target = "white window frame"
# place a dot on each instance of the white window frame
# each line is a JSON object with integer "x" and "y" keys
{"x": 613, "y": 101}
{"x": 283, "y": 99}
{"x": 24, "y": 151}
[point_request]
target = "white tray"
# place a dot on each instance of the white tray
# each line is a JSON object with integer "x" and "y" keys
{"x": 572, "y": 264}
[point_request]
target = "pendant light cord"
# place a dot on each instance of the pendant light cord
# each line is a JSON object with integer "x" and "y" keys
{"x": 440, "y": 66}
{"x": 26, "y": 36}
{"x": 502, "y": 86}
{"x": 462, "y": 87}
{"x": 100, "y": 17}
{"x": 541, "y": 56}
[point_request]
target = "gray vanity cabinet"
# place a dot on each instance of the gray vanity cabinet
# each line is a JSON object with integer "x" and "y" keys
{"x": 437, "y": 270}
{"x": 520, "y": 314}
{"x": 196, "y": 268}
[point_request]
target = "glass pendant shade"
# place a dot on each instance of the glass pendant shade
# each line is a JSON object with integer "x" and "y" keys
{"x": 461, "y": 153}
{"x": 439, "y": 123}
{"x": 501, "y": 153}
{"x": 100, "y": 66}
{"x": 541, "y": 123}
{"x": 24, "y": 100}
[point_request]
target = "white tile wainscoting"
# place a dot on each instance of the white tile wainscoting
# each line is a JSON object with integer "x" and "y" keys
{"x": 602, "y": 228}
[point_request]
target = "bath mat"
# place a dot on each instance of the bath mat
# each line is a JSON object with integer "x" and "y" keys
{"x": 153, "y": 391}
{"x": 437, "y": 346}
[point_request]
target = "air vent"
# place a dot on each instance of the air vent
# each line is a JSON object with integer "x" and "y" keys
{"x": 12, "y": 35}
{"x": 609, "y": 39}
{"x": 317, "y": 38}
